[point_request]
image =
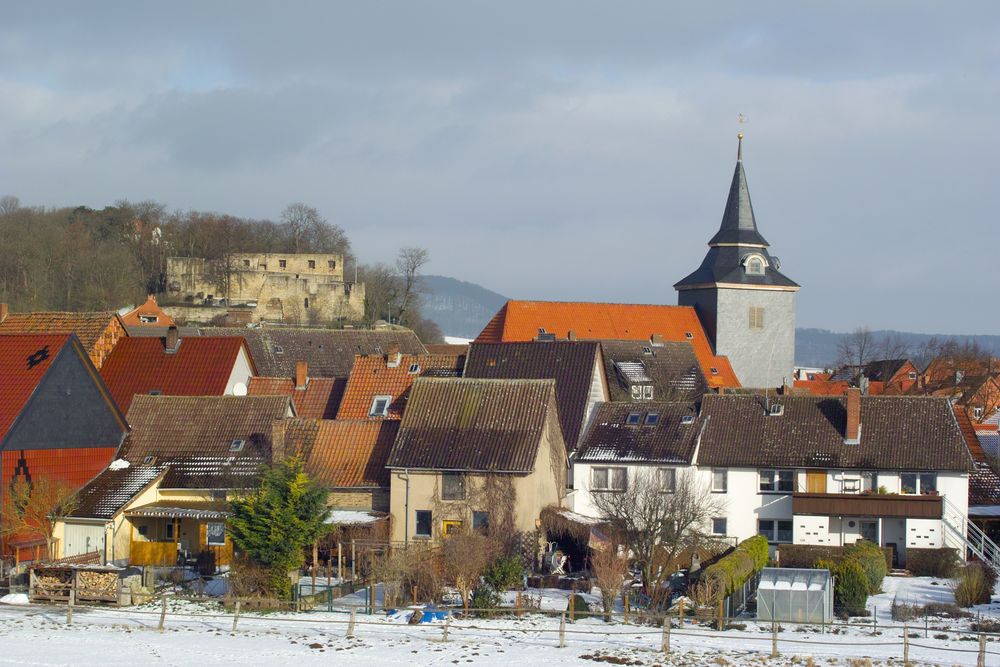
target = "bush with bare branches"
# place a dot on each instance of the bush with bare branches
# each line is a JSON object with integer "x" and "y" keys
{"x": 32, "y": 509}
{"x": 466, "y": 557}
{"x": 610, "y": 569}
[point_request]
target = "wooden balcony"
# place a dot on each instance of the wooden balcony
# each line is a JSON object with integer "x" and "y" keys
{"x": 867, "y": 505}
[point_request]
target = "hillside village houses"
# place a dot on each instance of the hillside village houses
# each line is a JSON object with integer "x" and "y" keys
{"x": 552, "y": 405}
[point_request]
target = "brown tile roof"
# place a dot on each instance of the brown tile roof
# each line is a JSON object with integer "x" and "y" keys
{"x": 570, "y": 363}
{"x": 672, "y": 370}
{"x": 89, "y": 327}
{"x": 199, "y": 367}
{"x": 668, "y": 440}
{"x": 192, "y": 437}
{"x": 343, "y": 453}
{"x": 319, "y": 399}
{"x": 984, "y": 482}
{"x": 329, "y": 352}
{"x": 525, "y": 320}
{"x": 474, "y": 425}
{"x": 450, "y": 349}
{"x": 371, "y": 377}
{"x": 897, "y": 433}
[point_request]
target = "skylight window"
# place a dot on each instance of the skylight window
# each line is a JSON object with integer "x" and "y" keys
{"x": 237, "y": 445}
{"x": 155, "y": 392}
{"x": 687, "y": 419}
{"x": 652, "y": 419}
{"x": 413, "y": 369}
{"x": 380, "y": 406}
{"x": 647, "y": 350}
{"x": 634, "y": 418}
{"x": 278, "y": 349}
{"x": 715, "y": 371}
{"x": 688, "y": 335}
{"x": 148, "y": 460}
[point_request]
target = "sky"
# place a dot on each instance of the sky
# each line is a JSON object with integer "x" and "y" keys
{"x": 546, "y": 150}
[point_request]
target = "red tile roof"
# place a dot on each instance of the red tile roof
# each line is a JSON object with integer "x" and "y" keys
{"x": 319, "y": 400}
{"x": 371, "y": 377}
{"x": 150, "y": 308}
{"x": 199, "y": 367}
{"x": 343, "y": 453}
{"x": 98, "y": 331}
{"x": 820, "y": 387}
{"x": 523, "y": 320}
{"x": 24, "y": 360}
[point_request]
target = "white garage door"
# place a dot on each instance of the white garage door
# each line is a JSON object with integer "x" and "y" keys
{"x": 83, "y": 538}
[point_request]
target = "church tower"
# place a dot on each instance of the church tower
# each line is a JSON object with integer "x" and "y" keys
{"x": 745, "y": 303}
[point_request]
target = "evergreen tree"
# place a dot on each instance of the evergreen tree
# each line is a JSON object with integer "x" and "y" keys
{"x": 272, "y": 525}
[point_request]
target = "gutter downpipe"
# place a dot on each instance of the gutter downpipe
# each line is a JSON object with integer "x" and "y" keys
{"x": 406, "y": 518}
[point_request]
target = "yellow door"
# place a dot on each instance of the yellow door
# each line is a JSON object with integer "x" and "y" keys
{"x": 816, "y": 481}
{"x": 451, "y": 528}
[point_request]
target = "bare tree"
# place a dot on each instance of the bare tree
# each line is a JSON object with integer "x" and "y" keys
{"x": 32, "y": 508}
{"x": 465, "y": 558}
{"x": 308, "y": 231}
{"x": 409, "y": 262}
{"x": 9, "y": 204}
{"x": 856, "y": 348}
{"x": 610, "y": 568}
{"x": 657, "y": 524}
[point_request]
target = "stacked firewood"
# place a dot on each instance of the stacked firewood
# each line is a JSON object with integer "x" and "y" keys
{"x": 52, "y": 584}
{"x": 96, "y": 583}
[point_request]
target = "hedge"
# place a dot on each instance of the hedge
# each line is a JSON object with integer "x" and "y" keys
{"x": 732, "y": 570}
{"x": 872, "y": 562}
{"x": 806, "y": 555}
{"x": 941, "y": 563}
{"x": 850, "y": 585}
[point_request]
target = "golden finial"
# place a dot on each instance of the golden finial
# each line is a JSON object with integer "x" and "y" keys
{"x": 739, "y": 136}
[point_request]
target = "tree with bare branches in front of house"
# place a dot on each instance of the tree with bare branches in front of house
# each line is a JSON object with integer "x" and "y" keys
{"x": 609, "y": 565}
{"x": 657, "y": 525}
{"x": 32, "y": 509}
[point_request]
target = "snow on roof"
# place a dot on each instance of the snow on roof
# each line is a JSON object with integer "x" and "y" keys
{"x": 118, "y": 464}
{"x": 353, "y": 517}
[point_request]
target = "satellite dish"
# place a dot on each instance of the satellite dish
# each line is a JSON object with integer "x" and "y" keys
{"x": 239, "y": 389}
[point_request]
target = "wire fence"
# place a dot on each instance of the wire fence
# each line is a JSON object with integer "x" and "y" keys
{"x": 667, "y": 633}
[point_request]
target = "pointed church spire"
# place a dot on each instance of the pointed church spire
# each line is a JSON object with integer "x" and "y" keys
{"x": 738, "y": 223}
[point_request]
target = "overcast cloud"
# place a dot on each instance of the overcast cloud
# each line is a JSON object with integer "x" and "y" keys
{"x": 550, "y": 150}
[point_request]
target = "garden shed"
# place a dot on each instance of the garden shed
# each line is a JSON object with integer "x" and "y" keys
{"x": 794, "y": 595}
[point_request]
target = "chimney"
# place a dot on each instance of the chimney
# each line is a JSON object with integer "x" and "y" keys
{"x": 852, "y": 436}
{"x": 301, "y": 374}
{"x": 392, "y": 356}
{"x": 3, "y": 311}
{"x": 173, "y": 340}
{"x": 277, "y": 440}
{"x": 570, "y": 335}
{"x": 656, "y": 340}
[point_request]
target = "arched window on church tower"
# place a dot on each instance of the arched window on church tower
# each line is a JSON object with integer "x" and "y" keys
{"x": 754, "y": 265}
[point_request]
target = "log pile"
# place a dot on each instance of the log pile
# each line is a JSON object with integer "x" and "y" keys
{"x": 52, "y": 584}
{"x": 96, "y": 585}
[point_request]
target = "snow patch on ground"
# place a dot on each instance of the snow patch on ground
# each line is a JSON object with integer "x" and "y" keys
{"x": 14, "y": 598}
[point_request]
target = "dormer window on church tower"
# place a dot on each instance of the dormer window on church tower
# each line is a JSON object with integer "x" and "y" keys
{"x": 754, "y": 265}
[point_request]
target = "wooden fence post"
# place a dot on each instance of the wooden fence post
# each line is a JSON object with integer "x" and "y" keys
{"x": 371, "y": 598}
{"x": 774, "y": 639}
{"x": 350, "y": 624}
{"x": 626, "y": 607}
{"x": 572, "y": 607}
{"x": 315, "y": 558}
{"x": 665, "y": 642}
{"x": 720, "y": 616}
{"x": 518, "y": 608}
{"x": 981, "y": 660}
{"x": 236, "y": 615}
{"x": 562, "y": 630}
{"x": 69, "y": 606}
{"x": 906, "y": 646}
{"x": 354, "y": 566}
{"x": 680, "y": 613}
{"x": 163, "y": 612}
{"x": 447, "y": 625}
{"x": 340, "y": 561}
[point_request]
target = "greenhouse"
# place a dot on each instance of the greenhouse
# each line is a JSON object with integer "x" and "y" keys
{"x": 795, "y": 596}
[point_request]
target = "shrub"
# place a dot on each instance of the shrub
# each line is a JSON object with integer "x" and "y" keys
{"x": 504, "y": 573}
{"x": 903, "y": 612}
{"x": 940, "y": 563}
{"x": 580, "y": 607}
{"x": 851, "y": 589}
{"x": 732, "y": 570}
{"x": 871, "y": 559}
{"x": 971, "y": 586}
{"x": 805, "y": 556}
{"x": 610, "y": 569}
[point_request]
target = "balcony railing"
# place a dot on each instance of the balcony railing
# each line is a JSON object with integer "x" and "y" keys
{"x": 864, "y": 504}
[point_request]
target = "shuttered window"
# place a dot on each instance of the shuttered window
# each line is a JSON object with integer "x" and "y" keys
{"x": 756, "y": 317}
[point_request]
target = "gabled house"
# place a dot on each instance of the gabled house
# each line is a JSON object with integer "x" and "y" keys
{"x": 314, "y": 398}
{"x": 98, "y": 332}
{"x": 546, "y": 321}
{"x": 379, "y": 384}
{"x": 57, "y": 418}
{"x": 654, "y": 370}
{"x": 147, "y": 314}
{"x": 175, "y": 366}
{"x": 832, "y": 470}
{"x": 475, "y": 454}
{"x": 575, "y": 366}
{"x": 163, "y": 501}
{"x": 891, "y": 377}
{"x": 630, "y": 439}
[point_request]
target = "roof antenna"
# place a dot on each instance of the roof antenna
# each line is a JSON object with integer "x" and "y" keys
{"x": 739, "y": 136}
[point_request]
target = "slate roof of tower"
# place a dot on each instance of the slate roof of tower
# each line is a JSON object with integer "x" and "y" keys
{"x": 329, "y": 352}
{"x": 897, "y": 433}
{"x": 519, "y": 321}
{"x": 738, "y": 222}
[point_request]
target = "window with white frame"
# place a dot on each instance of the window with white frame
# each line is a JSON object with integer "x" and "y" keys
{"x": 778, "y": 531}
{"x": 380, "y": 406}
{"x": 859, "y": 482}
{"x": 755, "y": 265}
{"x": 719, "y": 526}
{"x": 920, "y": 483}
{"x": 608, "y": 479}
{"x": 215, "y": 533}
{"x": 720, "y": 480}
{"x": 777, "y": 481}
{"x": 668, "y": 479}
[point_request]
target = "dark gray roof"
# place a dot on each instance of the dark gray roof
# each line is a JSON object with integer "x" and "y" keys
{"x": 737, "y": 236}
{"x": 883, "y": 370}
{"x": 669, "y": 440}
{"x": 569, "y": 363}
{"x": 474, "y": 425}
{"x": 329, "y": 352}
{"x": 897, "y": 433}
{"x": 671, "y": 368}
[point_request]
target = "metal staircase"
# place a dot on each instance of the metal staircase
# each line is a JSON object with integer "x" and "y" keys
{"x": 970, "y": 538}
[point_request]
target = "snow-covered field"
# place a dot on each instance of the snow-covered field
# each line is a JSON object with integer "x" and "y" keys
{"x": 201, "y": 633}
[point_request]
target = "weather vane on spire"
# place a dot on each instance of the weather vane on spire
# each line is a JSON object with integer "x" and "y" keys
{"x": 741, "y": 119}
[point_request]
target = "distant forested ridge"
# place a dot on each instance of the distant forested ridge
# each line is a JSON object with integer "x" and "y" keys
{"x": 459, "y": 308}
